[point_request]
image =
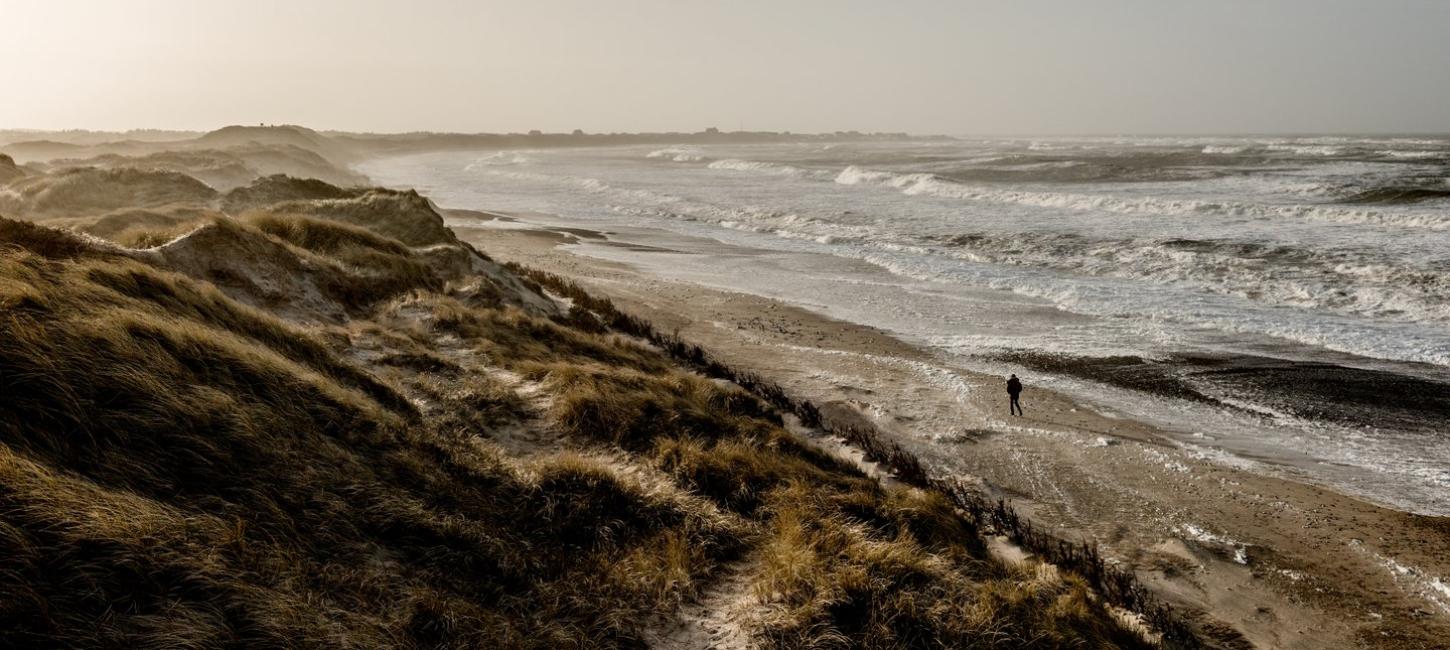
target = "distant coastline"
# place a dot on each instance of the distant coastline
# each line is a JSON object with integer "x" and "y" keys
{"x": 27, "y": 145}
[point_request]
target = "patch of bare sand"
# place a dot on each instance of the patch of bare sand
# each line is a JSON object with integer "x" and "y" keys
{"x": 1260, "y": 560}
{"x": 719, "y": 619}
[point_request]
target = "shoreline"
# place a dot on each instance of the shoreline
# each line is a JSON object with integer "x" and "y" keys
{"x": 1341, "y": 423}
{"x": 1282, "y": 563}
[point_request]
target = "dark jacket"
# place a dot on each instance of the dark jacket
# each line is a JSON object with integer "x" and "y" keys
{"x": 1014, "y": 387}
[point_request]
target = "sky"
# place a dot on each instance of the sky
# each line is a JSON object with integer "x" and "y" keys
{"x": 954, "y": 67}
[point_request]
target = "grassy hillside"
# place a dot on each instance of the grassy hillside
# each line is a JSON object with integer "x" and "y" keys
{"x": 9, "y": 171}
{"x": 310, "y": 416}
{"x": 228, "y": 168}
{"x": 223, "y": 159}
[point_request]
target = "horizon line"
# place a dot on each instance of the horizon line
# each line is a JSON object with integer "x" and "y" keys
{"x": 964, "y": 135}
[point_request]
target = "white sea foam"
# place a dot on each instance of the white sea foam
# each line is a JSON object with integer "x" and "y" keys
{"x": 678, "y": 154}
{"x": 1415, "y": 581}
{"x": 501, "y": 158}
{"x": 1204, "y": 536}
{"x": 1311, "y": 279}
{"x": 1052, "y": 146}
{"x": 735, "y": 164}
{"x": 1308, "y": 149}
{"x": 1412, "y": 154}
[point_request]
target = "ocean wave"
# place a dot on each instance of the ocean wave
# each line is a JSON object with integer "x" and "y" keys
{"x": 1311, "y": 279}
{"x": 678, "y": 154}
{"x": 1113, "y": 300}
{"x": 934, "y": 185}
{"x": 1413, "y": 155}
{"x": 649, "y": 203}
{"x": 1222, "y": 149}
{"x": 777, "y": 169}
{"x": 1410, "y": 194}
{"x": 1308, "y": 149}
{"x": 1053, "y": 146}
{"x": 1096, "y": 170}
{"x": 1051, "y": 164}
{"x": 499, "y": 159}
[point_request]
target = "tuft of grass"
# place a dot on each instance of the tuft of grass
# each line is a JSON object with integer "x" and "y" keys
{"x": 513, "y": 338}
{"x": 326, "y": 237}
{"x": 47, "y": 242}
{"x": 355, "y": 268}
{"x": 276, "y": 188}
{"x": 837, "y": 582}
{"x": 376, "y": 268}
{"x": 468, "y": 401}
{"x": 630, "y": 408}
{"x": 141, "y": 236}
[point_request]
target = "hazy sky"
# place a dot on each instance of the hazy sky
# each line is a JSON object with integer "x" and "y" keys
{"x": 988, "y": 66}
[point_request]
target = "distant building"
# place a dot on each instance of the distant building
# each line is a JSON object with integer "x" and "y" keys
{"x": 712, "y": 131}
{"x": 536, "y": 132}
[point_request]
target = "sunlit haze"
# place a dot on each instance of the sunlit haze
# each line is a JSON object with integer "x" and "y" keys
{"x": 924, "y": 67}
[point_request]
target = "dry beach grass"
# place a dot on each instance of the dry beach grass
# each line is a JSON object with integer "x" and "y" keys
{"x": 326, "y": 422}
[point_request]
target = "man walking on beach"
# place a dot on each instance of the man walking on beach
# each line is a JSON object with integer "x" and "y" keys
{"x": 1014, "y": 389}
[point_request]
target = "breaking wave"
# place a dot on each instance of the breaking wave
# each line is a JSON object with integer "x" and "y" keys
{"x": 1340, "y": 281}
{"x": 934, "y": 185}
{"x": 1308, "y": 150}
{"x": 499, "y": 159}
{"x": 677, "y": 155}
{"x": 1399, "y": 195}
{"x": 734, "y": 164}
{"x": 1412, "y": 155}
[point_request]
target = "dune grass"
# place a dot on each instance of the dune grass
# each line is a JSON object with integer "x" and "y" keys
{"x": 376, "y": 267}
{"x": 846, "y": 562}
{"x": 177, "y": 469}
{"x": 267, "y": 190}
{"x": 900, "y": 571}
{"x": 180, "y": 469}
{"x": 326, "y": 237}
{"x": 404, "y": 216}
{"x": 92, "y": 190}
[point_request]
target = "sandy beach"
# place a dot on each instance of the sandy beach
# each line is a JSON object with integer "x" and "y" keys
{"x": 1263, "y": 560}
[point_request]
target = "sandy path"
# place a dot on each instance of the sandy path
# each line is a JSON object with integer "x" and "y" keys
{"x": 1266, "y": 561}
{"x": 718, "y": 620}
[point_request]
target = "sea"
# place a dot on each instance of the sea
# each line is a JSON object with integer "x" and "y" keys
{"x": 1279, "y": 302}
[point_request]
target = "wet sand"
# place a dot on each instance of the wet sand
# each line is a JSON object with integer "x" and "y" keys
{"x": 1264, "y": 560}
